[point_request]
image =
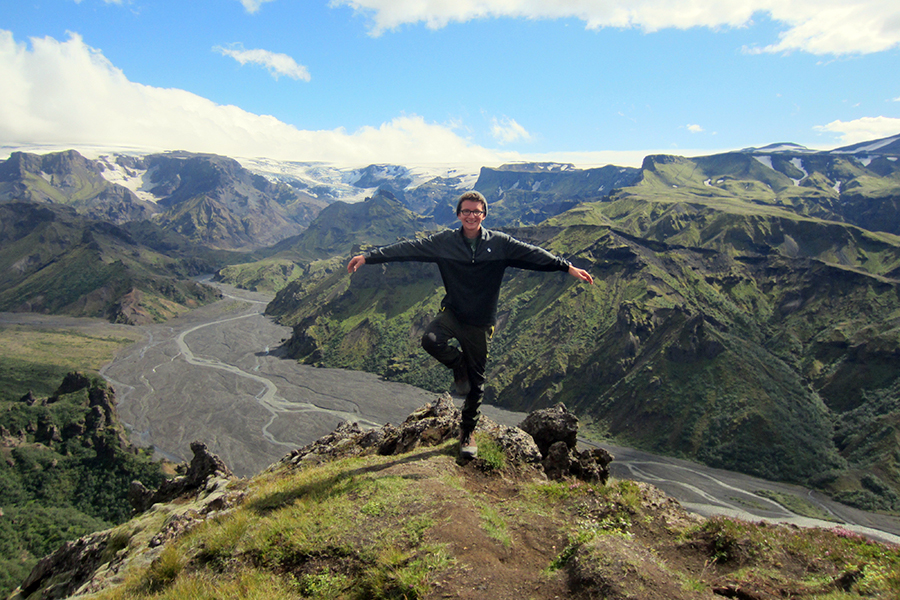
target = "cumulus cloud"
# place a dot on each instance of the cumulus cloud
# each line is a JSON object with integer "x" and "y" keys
{"x": 69, "y": 93}
{"x": 251, "y": 5}
{"x": 862, "y": 130}
{"x": 277, "y": 64}
{"x": 507, "y": 130}
{"x": 694, "y": 128}
{"x": 815, "y": 26}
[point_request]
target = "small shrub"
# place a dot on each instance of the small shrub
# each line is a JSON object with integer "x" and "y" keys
{"x": 491, "y": 453}
{"x": 728, "y": 540}
{"x": 324, "y": 584}
{"x": 165, "y": 569}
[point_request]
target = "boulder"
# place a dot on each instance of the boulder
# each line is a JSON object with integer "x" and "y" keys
{"x": 546, "y": 440}
{"x": 551, "y": 425}
{"x": 555, "y": 432}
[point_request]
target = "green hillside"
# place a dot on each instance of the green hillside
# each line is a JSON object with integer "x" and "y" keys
{"x": 337, "y": 230}
{"x": 736, "y": 319}
{"x": 66, "y": 469}
{"x": 52, "y": 260}
{"x": 391, "y": 514}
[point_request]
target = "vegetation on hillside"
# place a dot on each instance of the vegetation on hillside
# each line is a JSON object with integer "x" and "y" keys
{"x": 35, "y": 359}
{"x": 66, "y": 466}
{"x": 66, "y": 462}
{"x": 417, "y": 525}
{"x": 52, "y": 260}
{"x": 729, "y": 322}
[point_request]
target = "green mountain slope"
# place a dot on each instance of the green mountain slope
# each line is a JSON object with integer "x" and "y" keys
{"x": 52, "y": 260}
{"x": 66, "y": 469}
{"x": 336, "y": 231}
{"x": 529, "y": 193}
{"x": 824, "y": 186}
{"x": 727, "y": 324}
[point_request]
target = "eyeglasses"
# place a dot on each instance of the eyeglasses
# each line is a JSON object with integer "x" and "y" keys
{"x": 468, "y": 213}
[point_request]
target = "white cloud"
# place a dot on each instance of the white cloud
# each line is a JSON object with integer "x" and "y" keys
{"x": 67, "y": 93}
{"x": 277, "y": 64}
{"x": 863, "y": 130}
{"x": 507, "y": 130}
{"x": 694, "y": 128}
{"x": 252, "y": 5}
{"x": 815, "y": 26}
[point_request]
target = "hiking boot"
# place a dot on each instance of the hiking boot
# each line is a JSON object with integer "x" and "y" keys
{"x": 461, "y": 385}
{"x": 467, "y": 447}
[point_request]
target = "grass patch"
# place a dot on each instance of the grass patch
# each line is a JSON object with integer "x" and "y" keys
{"x": 37, "y": 359}
{"x": 495, "y": 525}
{"x": 754, "y": 552}
{"x": 490, "y": 452}
{"x": 340, "y": 530}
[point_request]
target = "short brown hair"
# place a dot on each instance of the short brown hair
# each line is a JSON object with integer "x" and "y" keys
{"x": 472, "y": 196}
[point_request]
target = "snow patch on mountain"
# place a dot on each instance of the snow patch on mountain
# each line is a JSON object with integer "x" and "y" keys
{"x": 341, "y": 183}
{"x": 868, "y": 147}
{"x": 779, "y": 148}
{"x": 131, "y": 178}
{"x": 765, "y": 160}
{"x": 799, "y": 164}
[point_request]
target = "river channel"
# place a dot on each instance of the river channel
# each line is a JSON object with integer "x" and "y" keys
{"x": 216, "y": 375}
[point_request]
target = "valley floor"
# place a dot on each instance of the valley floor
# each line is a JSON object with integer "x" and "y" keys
{"x": 216, "y": 376}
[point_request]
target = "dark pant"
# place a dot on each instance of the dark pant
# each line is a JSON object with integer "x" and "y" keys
{"x": 474, "y": 342}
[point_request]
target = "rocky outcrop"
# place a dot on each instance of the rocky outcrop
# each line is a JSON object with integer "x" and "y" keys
{"x": 97, "y": 428}
{"x": 544, "y": 441}
{"x": 203, "y": 467}
{"x": 431, "y": 425}
{"x": 555, "y": 431}
{"x": 99, "y": 560}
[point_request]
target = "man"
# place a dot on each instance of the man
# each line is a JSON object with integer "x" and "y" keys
{"x": 471, "y": 260}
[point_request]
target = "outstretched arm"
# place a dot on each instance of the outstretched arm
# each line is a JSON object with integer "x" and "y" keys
{"x": 355, "y": 263}
{"x": 581, "y": 274}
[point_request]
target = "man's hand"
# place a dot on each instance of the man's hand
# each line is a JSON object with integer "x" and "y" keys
{"x": 355, "y": 263}
{"x": 581, "y": 274}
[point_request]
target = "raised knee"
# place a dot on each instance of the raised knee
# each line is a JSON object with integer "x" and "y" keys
{"x": 429, "y": 341}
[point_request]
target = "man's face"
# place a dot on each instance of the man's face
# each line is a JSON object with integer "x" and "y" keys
{"x": 471, "y": 222}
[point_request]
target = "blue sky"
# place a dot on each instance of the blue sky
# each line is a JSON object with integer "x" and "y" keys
{"x": 356, "y": 82}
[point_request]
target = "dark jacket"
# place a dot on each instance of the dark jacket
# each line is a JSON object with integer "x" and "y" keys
{"x": 472, "y": 279}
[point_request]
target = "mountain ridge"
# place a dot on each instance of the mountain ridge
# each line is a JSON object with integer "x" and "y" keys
{"x": 52, "y": 260}
{"x": 700, "y": 262}
{"x": 693, "y": 285}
